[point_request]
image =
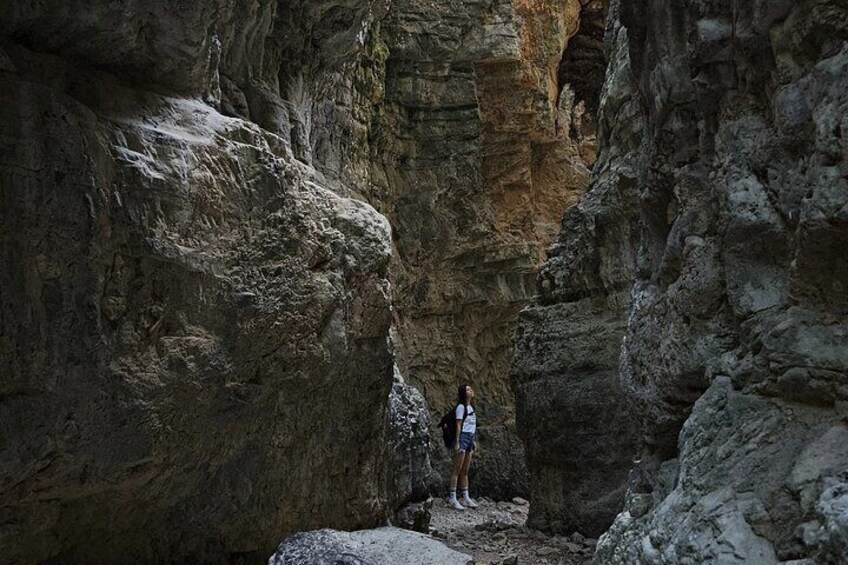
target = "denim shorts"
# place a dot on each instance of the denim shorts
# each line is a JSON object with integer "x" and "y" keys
{"x": 466, "y": 442}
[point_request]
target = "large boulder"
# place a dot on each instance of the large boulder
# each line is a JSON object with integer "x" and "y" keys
{"x": 366, "y": 547}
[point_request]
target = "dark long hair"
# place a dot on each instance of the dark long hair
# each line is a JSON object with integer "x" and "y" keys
{"x": 460, "y": 395}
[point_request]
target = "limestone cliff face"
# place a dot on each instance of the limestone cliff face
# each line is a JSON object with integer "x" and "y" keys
{"x": 708, "y": 251}
{"x": 194, "y": 328}
{"x": 473, "y": 172}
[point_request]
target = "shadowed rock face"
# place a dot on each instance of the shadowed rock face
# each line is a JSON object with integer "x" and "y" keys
{"x": 706, "y": 250}
{"x": 583, "y": 63}
{"x": 578, "y": 431}
{"x": 193, "y": 327}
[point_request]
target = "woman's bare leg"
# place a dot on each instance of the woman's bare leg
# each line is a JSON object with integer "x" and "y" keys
{"x": 463, "y": 482}
{"x": 458, "y": 459}
{"x": 463, "y": 471}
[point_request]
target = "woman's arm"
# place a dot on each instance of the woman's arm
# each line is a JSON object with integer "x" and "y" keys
{"x": 458, "y": 432}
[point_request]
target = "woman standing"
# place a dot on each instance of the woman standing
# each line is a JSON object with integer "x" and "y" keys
{"x": 466, "y": 431}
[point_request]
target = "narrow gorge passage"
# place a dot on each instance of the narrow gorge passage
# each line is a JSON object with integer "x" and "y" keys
{"x": 251, "y": 248}
{"x": 473, "y": 174}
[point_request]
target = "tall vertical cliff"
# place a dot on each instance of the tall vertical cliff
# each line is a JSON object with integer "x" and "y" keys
{"x": 700, "y": 288}
{"x": 194, "y": 328}
{"x": 474, "y": 158}
{"x": 458, "y": 124}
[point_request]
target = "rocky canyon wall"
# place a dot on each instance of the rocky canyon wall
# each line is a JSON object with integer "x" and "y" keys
{"x": 692, "y": 314}
{"x": 194, "y": 334}
{"x": 474, "y": 158}
{"x": 457, "y": 124}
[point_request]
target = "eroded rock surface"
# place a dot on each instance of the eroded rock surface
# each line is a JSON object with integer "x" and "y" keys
{"x": 706, "y": 250}
{"x": 409, "y": 473}
{"x": 578, "y": 431}
{"x": 194, "y": 339}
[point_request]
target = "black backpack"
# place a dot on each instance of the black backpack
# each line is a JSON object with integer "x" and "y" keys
{"x": 448, "y": 426}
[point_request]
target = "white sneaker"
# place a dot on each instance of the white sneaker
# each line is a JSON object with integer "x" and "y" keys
{"x": 455, "y": 503}
{"x": 469, "y": 502}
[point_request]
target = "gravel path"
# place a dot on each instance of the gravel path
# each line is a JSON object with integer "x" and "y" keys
{"x": 495, "y": 533}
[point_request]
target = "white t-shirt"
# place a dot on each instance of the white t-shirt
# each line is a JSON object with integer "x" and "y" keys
{"x": 470, "y": 423}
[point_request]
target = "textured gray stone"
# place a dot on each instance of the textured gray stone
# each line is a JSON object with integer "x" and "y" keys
{"x": 750, "y": 470}
{"x": 366, "y": 547}
{"x": 410, "y": 475}
{"x": 578, "y": 431}
{"x": 415, "y": 516}
{"x": 708, "y": 240}
{"x": 827, "y": 536}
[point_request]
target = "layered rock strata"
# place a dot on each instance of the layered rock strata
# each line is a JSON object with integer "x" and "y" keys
{"x": 708, "y": 251}
{"x": 471, "y": 169}
{"x": 194, "y": 329}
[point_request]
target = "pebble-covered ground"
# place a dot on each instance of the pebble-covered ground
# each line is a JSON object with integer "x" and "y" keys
{"x": 495, "y": 534}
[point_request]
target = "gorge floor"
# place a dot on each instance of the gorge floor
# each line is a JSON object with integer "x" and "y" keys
{"x": 496, "y": 534}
